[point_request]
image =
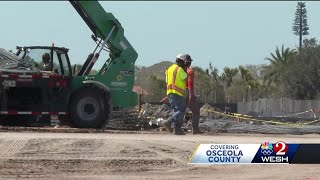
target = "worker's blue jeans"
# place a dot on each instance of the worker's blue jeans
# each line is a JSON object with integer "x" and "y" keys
{"x": 178, "y": 104}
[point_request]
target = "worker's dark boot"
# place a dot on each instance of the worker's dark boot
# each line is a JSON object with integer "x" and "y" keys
{"x": 167, "y": 124}
{"x": 196, "y": 130}
{"x": 195, "y": 126}
{"x": 177, "y": 130}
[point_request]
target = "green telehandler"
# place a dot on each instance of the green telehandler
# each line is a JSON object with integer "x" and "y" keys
{"x": 39, "y": 81}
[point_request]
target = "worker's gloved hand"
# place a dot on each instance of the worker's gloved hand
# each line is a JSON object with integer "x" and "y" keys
{"x": 165, "y": 100}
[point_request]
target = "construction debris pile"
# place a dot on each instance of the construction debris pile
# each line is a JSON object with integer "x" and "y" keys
{"x": 213, "y": 120}
{"x": 7, "y": 57}
{"x": 10, "y": 63}
{"x": 157, "y": 113}
{"x": 206, "y": 112}
{"x": 165, "y": 111}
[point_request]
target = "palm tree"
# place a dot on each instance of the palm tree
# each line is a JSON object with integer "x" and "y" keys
{"x": 227, "y": 75}
{"x": 246, "y": 80}
{"x": 278, "y": 63}
{"x": 215, "y": 77}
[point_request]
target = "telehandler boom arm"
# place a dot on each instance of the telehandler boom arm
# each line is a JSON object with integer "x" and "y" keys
{"x": 110, "y": 32}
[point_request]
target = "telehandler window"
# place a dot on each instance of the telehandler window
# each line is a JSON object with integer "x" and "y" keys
{"x": 39, "y": 58}
{"x": 63, "y": 62}
{"x": 56, "y": 65}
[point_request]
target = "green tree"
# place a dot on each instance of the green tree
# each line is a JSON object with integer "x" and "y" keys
{"x": 257, "y": 88}
{"x": 246, "y": 81}
{"x": 257, "y": 71}
{"x": 215, "y": 79}
{"x": 202, "y": 84}
{"x": 155, "y": 87}
{"x": 279, "y": 62}
{"x": 300, "y": 25}
{"x": 227, "y": 77}
{"x": 304, "y": 75}
{"x": 159, "y": 88}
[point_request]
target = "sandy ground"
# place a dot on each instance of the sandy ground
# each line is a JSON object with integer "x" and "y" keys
{"x": 133, "y": 156}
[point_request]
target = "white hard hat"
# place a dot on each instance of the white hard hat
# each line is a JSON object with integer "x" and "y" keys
{"x": 180, "y": 56}
{"x": 184, "y": 57}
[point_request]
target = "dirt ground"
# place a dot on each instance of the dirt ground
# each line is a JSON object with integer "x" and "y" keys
{"x": 38, "y": 155}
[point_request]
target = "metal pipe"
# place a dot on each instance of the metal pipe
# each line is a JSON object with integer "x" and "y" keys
{"x": 105, "y": 41}
{"x": 96, "y": 56}
{"x": 96, "y": 47}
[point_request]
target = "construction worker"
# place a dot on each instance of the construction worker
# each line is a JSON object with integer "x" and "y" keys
{"x": 190, "y": 95}
{"x": 176, "y": 78}
{"x": 46, "y": 62}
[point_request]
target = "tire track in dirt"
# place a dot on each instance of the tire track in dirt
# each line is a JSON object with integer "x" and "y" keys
{"x": 79, "y": 155}
{"x": 63, "y": 149}
{"x": 163, "y": 150}
{"x": 44, "y": 149}
{"x": 62, "y": 156}
{"x": 131, "y": 156}
{"x": 8, "y": 148}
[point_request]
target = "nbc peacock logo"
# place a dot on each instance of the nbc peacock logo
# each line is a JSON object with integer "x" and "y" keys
{"x": 266, "y": 148}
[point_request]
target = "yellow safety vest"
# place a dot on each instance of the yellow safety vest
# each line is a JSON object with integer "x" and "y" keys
{"x": 174, "y": 84}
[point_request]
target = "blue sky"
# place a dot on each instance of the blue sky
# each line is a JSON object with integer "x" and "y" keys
{"x": 224, "y": 33}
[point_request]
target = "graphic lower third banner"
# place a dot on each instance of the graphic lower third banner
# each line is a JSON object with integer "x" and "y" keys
{"x": 265, "y": 153}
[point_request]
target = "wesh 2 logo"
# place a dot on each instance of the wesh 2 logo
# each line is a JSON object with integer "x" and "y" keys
{"x": 274, "y": 153}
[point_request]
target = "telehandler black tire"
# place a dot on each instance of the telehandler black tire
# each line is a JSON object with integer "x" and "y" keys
{"x": 90, "y": 108}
